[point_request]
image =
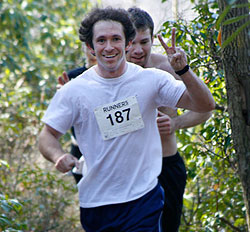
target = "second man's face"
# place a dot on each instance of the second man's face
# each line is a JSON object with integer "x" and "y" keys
{"x": 140, "y": 50}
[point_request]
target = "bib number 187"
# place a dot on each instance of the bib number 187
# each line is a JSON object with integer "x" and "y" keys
{"x": 119, "y": 116}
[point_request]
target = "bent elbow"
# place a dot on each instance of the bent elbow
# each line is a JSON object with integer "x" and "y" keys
{"x": 208, "y": 107}
{"x": 211, "y": 105}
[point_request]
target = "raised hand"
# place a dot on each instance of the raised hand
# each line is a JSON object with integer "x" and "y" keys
{"x": 176, "y": 56}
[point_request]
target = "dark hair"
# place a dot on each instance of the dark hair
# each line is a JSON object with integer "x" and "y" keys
{"x": 106, "y": 14}
{"x": 141, "y": 19}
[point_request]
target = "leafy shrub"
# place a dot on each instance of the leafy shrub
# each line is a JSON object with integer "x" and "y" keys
{"x": 38, "y": 199}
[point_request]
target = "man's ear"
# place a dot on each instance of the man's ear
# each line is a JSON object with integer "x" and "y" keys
{"x": 128, "y": 46}
{"x": 152, "y": 39}
{"x": 92, "y": 51}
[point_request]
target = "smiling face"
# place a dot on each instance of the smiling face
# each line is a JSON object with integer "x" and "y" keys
{"x": 140, "y": 50}
{"x": 109, "y": 48}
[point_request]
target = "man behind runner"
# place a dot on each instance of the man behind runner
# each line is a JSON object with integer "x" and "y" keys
{"x": 173, "y": 174}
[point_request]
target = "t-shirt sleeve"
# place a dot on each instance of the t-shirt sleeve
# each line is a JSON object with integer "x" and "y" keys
{"x": 60, "y": 113}
{"x": 170, "y": 90}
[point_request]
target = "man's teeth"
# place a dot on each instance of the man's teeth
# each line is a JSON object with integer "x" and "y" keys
{"x": 110, "y": 56}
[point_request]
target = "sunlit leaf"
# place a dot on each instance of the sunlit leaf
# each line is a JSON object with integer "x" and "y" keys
{"x": 234, "y": 34}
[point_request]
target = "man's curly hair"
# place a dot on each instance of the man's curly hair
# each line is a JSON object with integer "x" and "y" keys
{"x": 106, "y": 14}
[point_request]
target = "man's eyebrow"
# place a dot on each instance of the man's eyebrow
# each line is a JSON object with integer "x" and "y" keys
{"x": 103, "y": 36}
{"x": 116, "y": 35}
{"x": 100, "y": 37}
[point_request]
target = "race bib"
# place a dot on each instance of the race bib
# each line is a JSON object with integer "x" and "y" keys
{"x": 119, "y": 118}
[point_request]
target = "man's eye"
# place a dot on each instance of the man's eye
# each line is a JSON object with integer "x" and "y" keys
{"x": 100, "y": 40}
{"x": 144, "y": 42}
{"x": 116, "y": 39}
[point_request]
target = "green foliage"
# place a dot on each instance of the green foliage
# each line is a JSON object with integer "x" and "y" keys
{"x": 10, "y": 209}
{"x": 213, "y": 198}
{"x": 37, "y": 200}
{"x": 39, "y": 40}
{"x": 222, "y": 22}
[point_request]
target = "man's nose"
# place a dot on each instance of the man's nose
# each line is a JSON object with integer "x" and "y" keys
{"x": 138, "y": 49}
{"x": 109, "y": 46}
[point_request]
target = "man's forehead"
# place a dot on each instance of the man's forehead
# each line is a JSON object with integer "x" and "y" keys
{"x": 107, "y": 27}
{"x": 145, "y": 31}
{"x": 142, "y": 34}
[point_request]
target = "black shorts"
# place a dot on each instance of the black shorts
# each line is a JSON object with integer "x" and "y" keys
{"x": 173, "y": 180}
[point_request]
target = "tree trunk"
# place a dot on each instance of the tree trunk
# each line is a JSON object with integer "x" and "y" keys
{"x": 236, "y": 62}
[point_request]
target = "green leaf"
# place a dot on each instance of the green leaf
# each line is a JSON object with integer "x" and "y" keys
{"x": 222, "y": 16}
{"x": 234, "y": 35}
{"x": 241, "y": 5}
{"x": 234, "y": 20}
{"x": 194, "y": 40}
{"x": 4, "y": 221}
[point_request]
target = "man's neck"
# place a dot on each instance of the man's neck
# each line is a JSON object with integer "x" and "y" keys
{"x": 111, "y": 73}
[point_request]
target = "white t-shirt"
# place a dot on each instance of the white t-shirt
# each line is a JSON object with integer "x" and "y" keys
{"x": 121, "y": 165}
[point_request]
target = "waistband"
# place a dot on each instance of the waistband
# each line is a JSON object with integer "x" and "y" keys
{"x": 173, "y": 158}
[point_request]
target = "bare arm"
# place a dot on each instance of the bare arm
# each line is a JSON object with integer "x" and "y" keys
{"x": 186, "y": 120}
{"x": 51, "y": 149}
{"x": 197, "y": 97}
{"x": 169, "y": 124}
{"x": 190, "y": 119}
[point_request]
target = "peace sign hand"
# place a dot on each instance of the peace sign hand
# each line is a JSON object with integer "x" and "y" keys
{"x": 176, "y": 56}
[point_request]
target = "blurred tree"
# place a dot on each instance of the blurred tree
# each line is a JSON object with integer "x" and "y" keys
{"x": 235, "y": 27}
{"x": 214, "y": 195}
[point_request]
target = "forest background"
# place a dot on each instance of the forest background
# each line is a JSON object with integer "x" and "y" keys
{"x": 38, "y": 42}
